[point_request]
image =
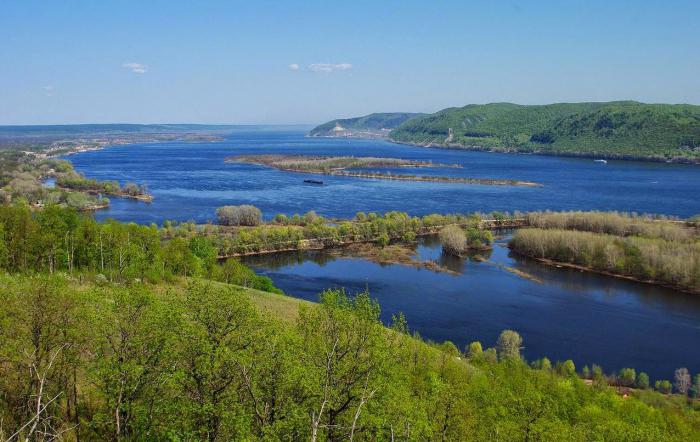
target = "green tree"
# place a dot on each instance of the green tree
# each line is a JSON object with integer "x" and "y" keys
{"x": 474, "y": 350}
{"x": 220, "y": 327}
{"x": 627, "y": 376}
{"x": 663, "y": 386}
{"x": 509, "y": 344}
{"x": 642, "y": 381}
{"x": 345, "y": 350}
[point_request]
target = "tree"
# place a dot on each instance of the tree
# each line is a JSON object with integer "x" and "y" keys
{"x": 663, "y": 386}
{"x": 132, "y": 358}
{"x": 345, "y": 349}
{"x": 627, "y": 377}
{"x": 509, "y": 344}
{"x": 474, "y": 350}
{"x": 453, "y": 240}
{"x": 566, "y": 368}
{"x": 642, "y": 381}
{"x": 695, "y": 389}
{"x": 244, "y": 215}
{"x": 682, "y": 380}
{"x": 586, "y": 372}
{"x": 219, "y": 328}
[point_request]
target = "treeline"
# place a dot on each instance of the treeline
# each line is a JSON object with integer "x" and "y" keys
{"x": 115, "y": 362}
{"x": 59, "y": 239}
{"x": 313, "y": 231}
{"x": 672, "y": 263}
{"x": 623, "y": 129}
{"x": 613, "y": 223}
{"x": 78, "y": 181}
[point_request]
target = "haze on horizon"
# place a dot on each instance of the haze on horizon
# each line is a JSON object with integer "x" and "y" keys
{"x": 309, "y": 62}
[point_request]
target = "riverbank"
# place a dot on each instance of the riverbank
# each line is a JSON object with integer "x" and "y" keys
{"x": 651, "y": 252}
{"x": 568, "y": 265}
{"x": 563, "y": 154}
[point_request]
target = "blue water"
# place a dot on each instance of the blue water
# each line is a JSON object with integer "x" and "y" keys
{"x": 190, "y": 180}
{"x": 586, "y": 317}
{"x": 568, "y": 314}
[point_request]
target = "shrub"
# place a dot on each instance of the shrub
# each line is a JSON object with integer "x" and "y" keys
{"x": 453, "y": 240}
{"x": 508, "y": 345}
{"x": 244, "y": 215}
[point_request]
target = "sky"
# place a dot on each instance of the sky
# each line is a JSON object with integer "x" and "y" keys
{"x": 294, "y": 62}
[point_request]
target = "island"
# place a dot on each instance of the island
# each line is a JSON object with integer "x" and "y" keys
{"x": 348, "y": 166}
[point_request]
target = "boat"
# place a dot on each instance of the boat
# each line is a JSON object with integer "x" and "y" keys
{"x": 313, "y": 182}
{"x": 601, "y": 161}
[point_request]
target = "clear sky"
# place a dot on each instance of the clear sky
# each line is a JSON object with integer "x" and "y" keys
{"x": 147, "y": 61}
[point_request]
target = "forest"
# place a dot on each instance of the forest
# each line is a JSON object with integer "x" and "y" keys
{"x": 199, "y": 360}
{"x": 624, "y": 129}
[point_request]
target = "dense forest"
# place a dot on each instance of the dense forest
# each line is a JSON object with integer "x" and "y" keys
{"x": 605, "y": 130}
{"x": 624, "y": 129}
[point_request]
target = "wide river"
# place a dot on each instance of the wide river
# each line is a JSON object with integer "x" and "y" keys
{"x": 565, "y": 314}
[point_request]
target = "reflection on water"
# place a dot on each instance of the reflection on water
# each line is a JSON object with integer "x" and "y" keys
{"x": 570, "y": 314}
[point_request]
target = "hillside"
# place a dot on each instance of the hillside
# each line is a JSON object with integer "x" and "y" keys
{"x": 368, "y": 126}
{"x": 623, "y": 129}
{"x": 199, "y": 360}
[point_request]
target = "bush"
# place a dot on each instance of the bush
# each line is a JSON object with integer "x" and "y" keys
{"x": 663, "y": 386}
{"x": 453, "y": 240}
{"x": 244, "y": 215}
{"x": 627, "y": 377}
{"x": 508, "y": 345}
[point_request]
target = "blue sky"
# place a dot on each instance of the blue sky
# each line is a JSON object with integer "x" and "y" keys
{"x": 307, "y": 62}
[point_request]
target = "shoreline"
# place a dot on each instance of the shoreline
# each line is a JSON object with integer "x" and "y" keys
{"x": 514, "y": 151}
{"x": 559, "y": 264}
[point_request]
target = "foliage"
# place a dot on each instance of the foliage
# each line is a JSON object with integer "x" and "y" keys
{"x": 245, "y": 215}
{"x": 202, "y": 362}
{"x": 624, "y": 129}
{"x": 371, "y": 122}
{"x": 675, "y": 263}
{"x": 58, "y": 239}
{"x": 509, "y": 344}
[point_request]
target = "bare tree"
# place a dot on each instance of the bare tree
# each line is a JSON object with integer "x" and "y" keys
{"x": 41, "y": 423}
{"x": 682, "y": 380}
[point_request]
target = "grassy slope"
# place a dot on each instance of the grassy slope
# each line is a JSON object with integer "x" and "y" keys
{"x": 613, "y": 130}
{"x": 377, "y": 121}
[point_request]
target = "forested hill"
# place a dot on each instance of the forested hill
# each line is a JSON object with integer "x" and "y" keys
{"x": 372, "y": 124}
{"x": 623, "y": 129}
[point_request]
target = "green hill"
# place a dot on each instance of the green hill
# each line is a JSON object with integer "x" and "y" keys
{"x": 367, "y": 125}
{"x": 624, "y": 129}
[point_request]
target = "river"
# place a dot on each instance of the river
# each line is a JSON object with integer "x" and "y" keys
{"x": 567, "y": 314}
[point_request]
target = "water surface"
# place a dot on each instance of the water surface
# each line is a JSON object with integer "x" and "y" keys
{"x": 190, "y": 180}
{"x": 569, "y": 315}
{"x": 586, "y": 317}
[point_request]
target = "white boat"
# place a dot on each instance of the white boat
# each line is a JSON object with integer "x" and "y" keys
{"x": 601, "y": 161}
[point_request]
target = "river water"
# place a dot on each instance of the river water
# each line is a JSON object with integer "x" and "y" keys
{"x": 565, "y": 314}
